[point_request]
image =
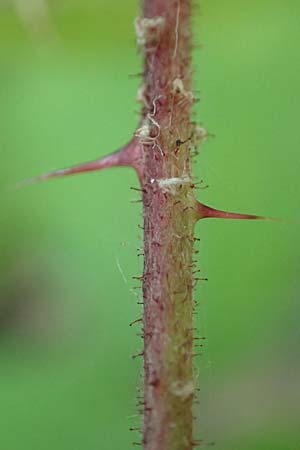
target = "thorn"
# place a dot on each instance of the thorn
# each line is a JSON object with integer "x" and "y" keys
{"x": 206, "y": 212}
{"x": 128, "y": 156}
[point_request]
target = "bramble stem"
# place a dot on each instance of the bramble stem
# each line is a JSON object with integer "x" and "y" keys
{"x": 160, "y": 153}
{"x": 166, "y": 133}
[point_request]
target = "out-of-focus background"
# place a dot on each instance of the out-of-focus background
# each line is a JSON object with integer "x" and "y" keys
{"x": 69, "y": 247}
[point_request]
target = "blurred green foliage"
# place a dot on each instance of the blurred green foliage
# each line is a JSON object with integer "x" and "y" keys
{"x": 69, "y": 247}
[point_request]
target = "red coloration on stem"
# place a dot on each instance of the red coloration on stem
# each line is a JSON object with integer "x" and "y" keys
{"x": 206, "y": 212}
{"x": 128, "y": 156}
{"x": 166, "y": 134}
{"x": 161, "y": 154}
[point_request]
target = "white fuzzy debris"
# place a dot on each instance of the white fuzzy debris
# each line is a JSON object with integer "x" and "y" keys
{"x": 170, "y": 184}
{"x": 182, "y": 389}
{"x": 148, "y": 30}
{"x": 178, "y": 86}
{"x": 144, "y": 131}
{"x": 199, "y": 135}
{"x": 140, "y": 96}
{"x": 179, "y": 89}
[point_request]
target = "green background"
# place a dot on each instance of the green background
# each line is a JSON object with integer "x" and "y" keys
{"x": 69, "y": 247}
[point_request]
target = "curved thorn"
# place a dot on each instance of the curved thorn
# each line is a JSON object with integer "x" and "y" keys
{"x": 128, "y": 156}
{"x": 206, "y": 212}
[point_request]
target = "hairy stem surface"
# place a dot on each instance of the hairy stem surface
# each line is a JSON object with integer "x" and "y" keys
{"x": 166, "y": 137}
{"x": 160, "y": 153}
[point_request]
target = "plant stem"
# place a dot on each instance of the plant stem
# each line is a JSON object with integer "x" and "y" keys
{"x": 160, "y": 153}
{"x": 169, "y": 217}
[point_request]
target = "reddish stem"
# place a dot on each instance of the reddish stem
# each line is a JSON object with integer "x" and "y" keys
{"x": 164, "y": 35}
{"x": 160, "y": 153}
